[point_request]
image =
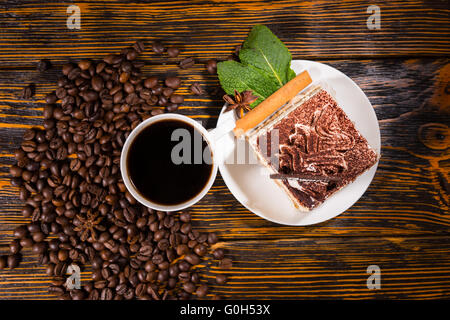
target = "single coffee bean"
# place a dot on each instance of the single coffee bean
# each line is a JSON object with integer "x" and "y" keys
{"x": 221, "y": 279}
{"x": 197, "y": 89}
{"x": 202, "y": 291}
{"x": 57, "y": 290}
{"x": 39, "y": 247}
{"x": 173, "y": 82}
{"x": 14, "y": 246}
{"x": 84, "y": 64}
{"x": 28, "y": 91}
{"x": 185, "y": 216}
{"x": 150, "y": 82}
{"x": 192, "y": 258}
{"x": 26, "y": 242}
{"x": 218, "y": 253}
{"x": 139, "y": 46}
{"x": 225, "y": 263}
{"x": 200, "y": 250}
{"x": 173, "y": 52}
{"x": 189, "y": 287}
{"x": 211, "y": 66}
{"x": 51, "y": 98}
{"x": 187, "y": 63}
{"x": 43, "y": 65}
{"x": 158, "y": 47}
{"x": 3, "y": 262}
{"x": 176, "y": 98}
{"x": 13, "y": 260}
{"x": 212, "y": 238}
{"x": 20, "y": 232}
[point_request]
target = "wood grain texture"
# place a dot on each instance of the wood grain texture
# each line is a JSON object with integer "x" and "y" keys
{"x": 402, "y": 222}
{"x": 405, "y": 198}
{"x": 31, "y": 30}
{"x": 305, "y": 268}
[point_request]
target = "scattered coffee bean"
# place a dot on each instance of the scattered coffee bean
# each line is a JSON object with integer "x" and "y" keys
{"x": 13, "y": 260}
{"x": 221, "y": 279}
{"x": 211, "y": 66}
{"x": 28, "y": 91}
{"x": 218, "y": 253}
{"x": 158, "y": 47}
{"x": 3, "y": 262}
{"x": 187, "y": 63}
{"x": 202, "y": 291}
{"x": 225, "y": 263}
{"x": 197, "y": 89}
{"x": 173, "y": 52}
{"x": 43, "y": 65}
{"x": 173, "y": 82}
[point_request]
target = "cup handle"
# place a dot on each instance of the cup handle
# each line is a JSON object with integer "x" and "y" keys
{"x": 223, "y": 129}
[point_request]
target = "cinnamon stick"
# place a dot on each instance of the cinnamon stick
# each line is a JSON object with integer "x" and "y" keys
{"x": 272, "y": 103}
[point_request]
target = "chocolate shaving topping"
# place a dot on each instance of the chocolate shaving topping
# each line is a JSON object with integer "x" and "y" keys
{"x": 318, "y": 139}
{"x": 316, "y": 148}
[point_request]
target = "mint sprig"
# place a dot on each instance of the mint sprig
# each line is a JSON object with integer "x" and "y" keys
{"x": 264, "y": 67}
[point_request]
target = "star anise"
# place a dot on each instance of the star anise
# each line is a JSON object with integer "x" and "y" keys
{"x": 88, "y": 225}
{"x": 241, "y": 101}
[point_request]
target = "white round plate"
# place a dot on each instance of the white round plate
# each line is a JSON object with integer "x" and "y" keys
{"x": 259, "y": 194}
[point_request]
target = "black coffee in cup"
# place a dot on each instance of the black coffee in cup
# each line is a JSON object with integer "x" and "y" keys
{"x": 168, "y": 163}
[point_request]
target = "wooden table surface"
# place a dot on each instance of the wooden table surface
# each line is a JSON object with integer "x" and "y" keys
{"x": 401, "y": 223}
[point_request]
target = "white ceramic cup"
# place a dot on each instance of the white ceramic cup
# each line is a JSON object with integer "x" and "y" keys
{"x": 126, "y": 177}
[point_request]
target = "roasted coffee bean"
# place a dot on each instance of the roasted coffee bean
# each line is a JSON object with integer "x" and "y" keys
{"x": 39, "y": 247}
{"x": 221, "y": 279}
{"x": 106, "y": 294}
{"x": 173, "y": 52}
{"x": 189, "y": 287}
{"x": 139, "y": 46}
{"x": 211, "y": 66}
{"x": 185, "y": 216}
{"x": 158, "y": 47}
{"x": 197, "y": 89}
{"x": 212, "y": 238}
{"x": 13, "y": 260}
{"x": 26, "y": 242}
{"x": 192, "y": 258}
{"x": 200, "y": 250}
{"x": 187, "y": 63}
{"x": 14, "y": 246}
{"x": 151, "y": 82}
{"x": 84, "y": 64}
{"x": 218, "y": 253}
{"x": 57, "y": 290}
{"x": 3, "y": 262}
{"x": 176, "y": 98}
{"x": 225, "y": 263}
{"x": 202, "y": 291}
{"x": 43, "y": 65}
{"x": 173, "y": 82}
{"x": 20, "y": 232}
{"x": 28, "y": 91}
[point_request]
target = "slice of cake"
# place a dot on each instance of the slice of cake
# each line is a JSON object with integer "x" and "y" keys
{"x": 315, "y": 138}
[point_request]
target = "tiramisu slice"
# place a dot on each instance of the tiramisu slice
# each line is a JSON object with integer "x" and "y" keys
{"x": 315, "y": 138}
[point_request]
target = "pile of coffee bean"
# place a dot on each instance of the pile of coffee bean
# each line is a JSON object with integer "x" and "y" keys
{"x": 81, "y": 213}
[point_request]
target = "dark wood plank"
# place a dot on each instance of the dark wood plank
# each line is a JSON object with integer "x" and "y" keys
{"x": 411, "y": 268}
{"x": 407, "y": 196}
{"x": 338, "y": 29}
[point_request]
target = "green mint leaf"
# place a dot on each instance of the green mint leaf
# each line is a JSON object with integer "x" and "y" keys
{"x": 236, "y": 76}
{"x": 265, "y": 51}
{"x": 291, "y": 74}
